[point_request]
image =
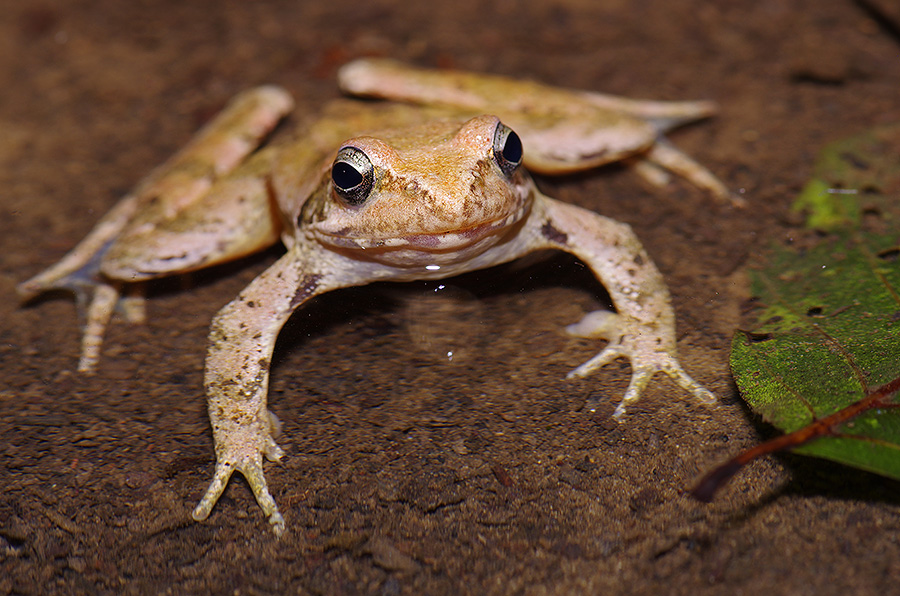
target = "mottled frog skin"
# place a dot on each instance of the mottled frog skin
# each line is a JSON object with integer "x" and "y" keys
{"x": 373, "y": 191}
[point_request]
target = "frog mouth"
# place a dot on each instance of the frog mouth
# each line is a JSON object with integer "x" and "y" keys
{"x": 455, "y": 239}
{"x": 438, "y": 242}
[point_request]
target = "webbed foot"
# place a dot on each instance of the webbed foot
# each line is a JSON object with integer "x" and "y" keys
{"x": 243, "y": 451}
{"x": 649, "y": 348}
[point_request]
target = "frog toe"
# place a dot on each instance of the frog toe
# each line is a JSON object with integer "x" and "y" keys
{"x": 95, "y": 311}
{"x": 686, "y": 382}
{"x": 640, "y": 378}
{"x": 250, "y": 465}
{"x": 216, "y": 487}
{"x": 607, "y": 355}
{"x": 253, "y": 472}
{"x": 599, "y": 324}
{"x": 648, "y": 349}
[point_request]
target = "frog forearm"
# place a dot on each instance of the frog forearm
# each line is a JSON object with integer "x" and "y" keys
{"x": 643, "y": 329}
{"x": 615, "y": 255}
{"x": 242, "y": 338}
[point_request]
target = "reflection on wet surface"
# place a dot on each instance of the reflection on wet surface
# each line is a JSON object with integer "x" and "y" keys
{"x": 445, "y": 323}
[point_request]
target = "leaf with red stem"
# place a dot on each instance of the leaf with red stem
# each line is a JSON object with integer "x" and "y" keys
{"x": 828, "y": 307}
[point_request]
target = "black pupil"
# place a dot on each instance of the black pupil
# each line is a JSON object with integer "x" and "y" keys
{"x": 345, "y": 176}
{"x": 512, "y": 149}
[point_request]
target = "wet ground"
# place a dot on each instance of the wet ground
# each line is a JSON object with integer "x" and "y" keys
{"x": 408, "y": 473}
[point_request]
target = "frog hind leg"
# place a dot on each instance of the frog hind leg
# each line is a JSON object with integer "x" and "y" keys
{"x": 79, "y": 273}
{"x": 216, "y": 150}
{"x": 563, "y": 130}
{"x": 663, "y": 157}
{"x": 211, "y": 203}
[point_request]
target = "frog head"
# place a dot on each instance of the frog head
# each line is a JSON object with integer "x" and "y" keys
{"x": 434, "y": 194}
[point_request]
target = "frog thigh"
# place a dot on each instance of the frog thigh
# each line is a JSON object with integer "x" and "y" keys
{"x": 237, "y": 216}
{"x": 209, "y": 203}
{"x": 214, "y": 151}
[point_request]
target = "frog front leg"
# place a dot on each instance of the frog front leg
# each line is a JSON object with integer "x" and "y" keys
{"x": 643, "y": 328}
{"x": 241, "y": 340}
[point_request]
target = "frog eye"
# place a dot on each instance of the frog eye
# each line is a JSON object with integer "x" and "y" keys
{"x": 352, "y": 175}
{"x": 507, "y": 149}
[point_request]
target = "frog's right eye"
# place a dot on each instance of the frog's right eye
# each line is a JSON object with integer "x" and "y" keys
{"x": 352, "y": 175}
{"x": 507, "y": 149}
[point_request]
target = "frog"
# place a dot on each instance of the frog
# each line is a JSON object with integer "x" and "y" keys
{"x": 432, "y": 183}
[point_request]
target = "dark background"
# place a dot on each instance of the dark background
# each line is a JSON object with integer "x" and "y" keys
{"x": 406, "y": 473}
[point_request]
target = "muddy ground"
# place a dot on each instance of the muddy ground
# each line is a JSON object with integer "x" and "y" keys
{"x": 407, "y": 473}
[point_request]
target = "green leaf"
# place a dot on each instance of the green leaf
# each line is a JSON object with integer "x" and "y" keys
{"x": 829, "y": 312}
{"x": 853, "y": 175}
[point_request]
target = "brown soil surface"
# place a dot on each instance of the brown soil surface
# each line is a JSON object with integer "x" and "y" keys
{"x": 406, "y": 473}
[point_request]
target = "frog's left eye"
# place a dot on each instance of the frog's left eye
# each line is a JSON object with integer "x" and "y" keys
{"x": 352, "y": 175}
{"x": 507, "y": 149}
